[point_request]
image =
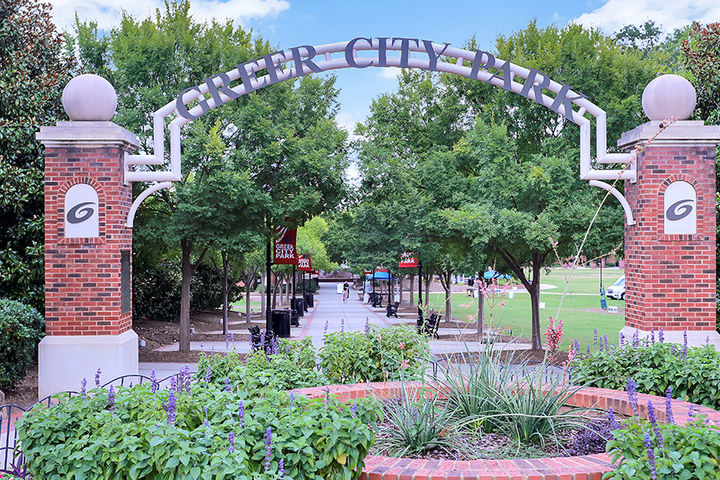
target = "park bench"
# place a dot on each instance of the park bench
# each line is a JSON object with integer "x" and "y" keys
{"x": 375, "y": 299}
{"x": 429, "y": 326}
{"x": 392, "y": 309}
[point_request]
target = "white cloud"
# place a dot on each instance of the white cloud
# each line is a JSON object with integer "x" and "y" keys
{"x": 107, "y": 12}
{"x": 389, "y": 73}
{"x": 615, "y": 14}
{"x": 347, "y": 122}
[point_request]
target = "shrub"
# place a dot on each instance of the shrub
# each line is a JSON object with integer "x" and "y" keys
{"x": 693, "y": 374}
{"x": 690, "y": 451}
{"x": 198, "y": 432}
{"x": 590, "y": 439}
{"x": 21, "y": 328}
{"x": 376, "y": 355}
{"x": 292, "y": 367}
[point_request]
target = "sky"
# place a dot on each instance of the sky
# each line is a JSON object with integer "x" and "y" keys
{"x": 289, "y": 23}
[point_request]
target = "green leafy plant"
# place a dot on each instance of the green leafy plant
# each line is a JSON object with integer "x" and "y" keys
{"x": 196, "y": 431}
{"x": 693, "y": 374}
{"x": 689, "y": 451}
{"x": 21, "y": 328}
{"x": 376, "y": 355}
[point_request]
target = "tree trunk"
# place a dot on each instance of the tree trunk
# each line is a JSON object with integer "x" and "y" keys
{"x": 427, "y": 279}
{"x": 534, "y": 292}
{"x": 412, "y": 289}
{"x": 187, "y": 273}
{"x": 248, "y": 312}
{"x": 226, "y": 267}
{"x": 400, "y": 288}
{"x": 446, "y": 282}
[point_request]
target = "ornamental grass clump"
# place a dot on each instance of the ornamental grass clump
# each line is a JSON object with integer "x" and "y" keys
{"x": 196, "y": 433}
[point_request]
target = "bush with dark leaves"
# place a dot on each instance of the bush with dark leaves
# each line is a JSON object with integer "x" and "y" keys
{"x": 591, "y": 439}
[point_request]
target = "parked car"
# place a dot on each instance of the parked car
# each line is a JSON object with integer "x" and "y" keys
{"x": 617, "y": 289}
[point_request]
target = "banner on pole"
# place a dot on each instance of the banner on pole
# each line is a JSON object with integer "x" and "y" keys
{"x": 408, "y": 260}
{"x": 285, "y": 253}
{"x": 367, "y": 272}
{"x": 381, "y": 269}
{"x": 304, "y": 263}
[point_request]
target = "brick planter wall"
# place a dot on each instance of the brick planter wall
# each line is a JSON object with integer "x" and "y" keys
{"x": 587, "y": 467}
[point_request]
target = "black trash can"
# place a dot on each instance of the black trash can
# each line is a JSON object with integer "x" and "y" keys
{"x": 281, "y": 323}
{"x": 309, "y": 299}
{"x": 298, "y": 304}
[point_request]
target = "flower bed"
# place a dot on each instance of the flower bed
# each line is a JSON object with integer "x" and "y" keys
{"x": 582, "y": 467}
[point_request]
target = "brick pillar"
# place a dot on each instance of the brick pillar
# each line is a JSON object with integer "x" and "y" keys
{"x": 88, "y": 251}
{"x": 670, "y": 251}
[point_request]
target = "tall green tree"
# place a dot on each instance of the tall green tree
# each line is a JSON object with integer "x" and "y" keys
{"x": 34, "y": 68}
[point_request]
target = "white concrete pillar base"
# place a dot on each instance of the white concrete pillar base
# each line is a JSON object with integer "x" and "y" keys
{"x": 695, "y": 338}
{"x": 64, "y": 360}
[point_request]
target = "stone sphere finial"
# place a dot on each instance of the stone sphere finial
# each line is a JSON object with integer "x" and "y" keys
{"x": 669, "y": 96}
{"x": 89, "y": 98}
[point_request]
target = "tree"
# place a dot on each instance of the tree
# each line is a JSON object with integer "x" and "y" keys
{"x": 34, "y": 68}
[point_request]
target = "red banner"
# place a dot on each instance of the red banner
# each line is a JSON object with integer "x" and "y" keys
{"x": 367, "y": 272}
{"x": 304, "y": 264}
{"x": 408, "y": 260}
{"x": 285, "y": 253}
{"x": 381, "y": 269}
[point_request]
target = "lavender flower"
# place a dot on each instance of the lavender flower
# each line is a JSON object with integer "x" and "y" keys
{"x": 668, "y": 406}
{"x": 268, "y": 448}
{"x": 595, "y": 337}
{"x": 636, "y": 338}
{"x": 622, "y": 339}
{"x": 184, "y": 379}
{"x": 281, "y": 468}
{"x": 367, "y": 325}
{"x": 227, "y": 384}
{"x": 632, "y": 395}
{"x": 208, "y": 374}
{"x": 154, "y": 385}
{"x": 685, "y": 345}
{"x": 170, "y": 408}
{"x": 97, "y": 378}
{"x": 661, "y": 336}
{"x": 577, "y": 345}
{"x": 652, "y": 336}
{"x": 587, "y": 349}
{"x": 231, "y": 439}
{"x": 83, "y": 389}
{"x": 292, "y": 399}
{"x": 353, "y": 411}
{"x": 606, "y": 341}
{"x": 241, "y": 413}
{"x": 325, "y": 330}
{"x": 651, "y": 457}
{"x": 691, "y": 414}
{"x": 111, "y": 399}
{"x": 326, "y": 398}
{"x": 262, "y": 339}
{"x": 342, "y": 324}
{"x": 653, "y": 422}
{"x": 173, "y": 384}
{"x": 614, "y": 425}
{"x": 232, "y": 337}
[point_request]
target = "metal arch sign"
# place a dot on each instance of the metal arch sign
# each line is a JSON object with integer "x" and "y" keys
{"x": 282, "y": 65}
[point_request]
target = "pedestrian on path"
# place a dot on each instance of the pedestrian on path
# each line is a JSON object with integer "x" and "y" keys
{"x": 346, "y": 292}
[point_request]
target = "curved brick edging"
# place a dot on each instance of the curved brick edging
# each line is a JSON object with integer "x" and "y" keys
{"x": 586, "y": 467}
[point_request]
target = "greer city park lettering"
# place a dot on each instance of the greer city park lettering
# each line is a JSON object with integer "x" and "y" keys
{"x": 304, "y": 63}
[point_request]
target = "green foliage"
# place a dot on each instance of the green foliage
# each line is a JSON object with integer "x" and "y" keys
{"x": 34, "y": 68}
{"x": 693, "y": 377}
{"x": 292, "y": 367}
{"x": 149, "y": 280}
{"x": 21, "y": 328}
{"x": 690, "y": 451}
{"x": 375, "y": 356}
{"x": 701, "y": 58}
{"x": 81, "y": 438}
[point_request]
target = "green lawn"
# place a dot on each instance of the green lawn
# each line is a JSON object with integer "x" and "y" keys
{"x": 577, "y": 323}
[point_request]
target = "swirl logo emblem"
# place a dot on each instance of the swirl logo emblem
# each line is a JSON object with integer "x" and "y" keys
{"x": 680, "y": 209}
{"x": 83, "y": 210}
{"x": 81, "y": 207}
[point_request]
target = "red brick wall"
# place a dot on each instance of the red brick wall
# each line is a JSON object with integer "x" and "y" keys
{"x": 82, "y": 275}
{"x": 670, "y": 279}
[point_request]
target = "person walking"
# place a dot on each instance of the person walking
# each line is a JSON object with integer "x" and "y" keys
{"x": 346, "y": 292}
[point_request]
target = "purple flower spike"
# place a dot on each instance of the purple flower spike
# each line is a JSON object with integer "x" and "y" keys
{"x": 577, "y": 345}
{"x": 652, "y": 336}
{"x": 668, "y": 406}
{"x": 606, "y": 341}
{"x": 614, "y": 425}
{"x": 268, "y": 448}
{"x": 595, "y": 337}
{"x": 367, "y": 325}
{"x": 632, "y": 395}
{"x": 227, "y": 384}
{"x": 281, "y": 468}
{"x": 691, "y": 414}
{"x": 208, "y": 374}
{"x": 342, "y": 324}
{"x": 241, "y": 413}
{"x": 83, "y": 389}
{"x": 292, "y": 399}
{"x": 232, "y": 337}
{"x": 622, "y": 339}
{"x": 170, "y": 408}
{"x": 653, "y": 422}
{"x": 587, "y": 349}
{"x": 97, "y": 378}
{"x": 651, "y": 457}
{"x": 661, "y": 336}
{"x": 111, "y": 399}
{"x": 231, "y": 439}
{"x": 353, "y": 411}
{"x": 154, "y": 385}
